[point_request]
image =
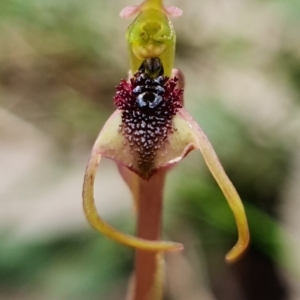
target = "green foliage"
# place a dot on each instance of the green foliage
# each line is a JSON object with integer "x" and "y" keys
{"x": 64, "y": 267}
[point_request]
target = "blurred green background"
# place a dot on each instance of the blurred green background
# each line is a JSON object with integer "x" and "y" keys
{"x": 59, "y": 64}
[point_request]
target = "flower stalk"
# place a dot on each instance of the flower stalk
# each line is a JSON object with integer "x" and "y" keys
{"x": 148, "y": 266}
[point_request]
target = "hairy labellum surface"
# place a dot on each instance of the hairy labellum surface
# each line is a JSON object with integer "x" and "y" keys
{"x": 148, "y": 105}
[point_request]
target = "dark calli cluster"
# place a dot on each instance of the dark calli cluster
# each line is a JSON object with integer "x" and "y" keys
{"x": 148, "y": 104}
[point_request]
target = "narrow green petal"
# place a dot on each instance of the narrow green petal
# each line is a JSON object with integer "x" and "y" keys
{"x": 226, "y": 186}
{"x": 98, "y": 223}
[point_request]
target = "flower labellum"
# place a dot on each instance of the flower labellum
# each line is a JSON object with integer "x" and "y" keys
{"x": 148, "y": 105}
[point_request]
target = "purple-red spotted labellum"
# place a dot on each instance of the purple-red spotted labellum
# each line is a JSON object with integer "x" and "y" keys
{"x": 148, "y": 106}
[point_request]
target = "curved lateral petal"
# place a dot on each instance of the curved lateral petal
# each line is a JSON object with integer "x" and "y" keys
{"x": 98, "y": 223}
{"x": 226, "y": 186}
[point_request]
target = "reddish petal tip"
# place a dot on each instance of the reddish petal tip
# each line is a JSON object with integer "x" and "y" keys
{"x": 173, "y": 11}
{"x": 129, "y": 11}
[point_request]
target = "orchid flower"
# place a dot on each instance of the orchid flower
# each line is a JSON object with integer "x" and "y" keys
{"x": 149, "y": 132}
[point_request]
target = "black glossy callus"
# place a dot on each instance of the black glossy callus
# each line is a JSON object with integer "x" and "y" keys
{"x": 148, "y": 100}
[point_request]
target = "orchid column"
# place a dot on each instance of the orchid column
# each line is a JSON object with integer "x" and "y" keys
{"x": 149, "y": 132}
